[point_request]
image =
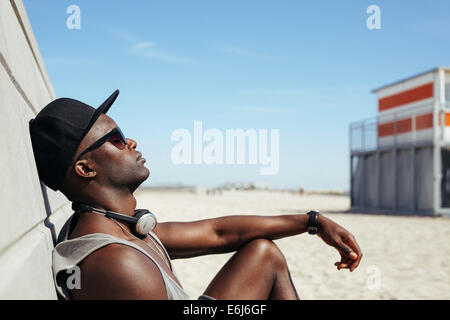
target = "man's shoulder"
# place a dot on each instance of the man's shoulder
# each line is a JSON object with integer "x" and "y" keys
{"x": 122, "y": 257}
{"x": 120, "y": 271}
{"x": 115, "y": 252}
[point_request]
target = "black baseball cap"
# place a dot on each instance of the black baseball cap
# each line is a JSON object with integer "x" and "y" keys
{"x": 56, "y": 133}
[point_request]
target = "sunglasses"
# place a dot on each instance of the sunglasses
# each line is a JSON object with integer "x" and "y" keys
{"x": 115, "y": 136}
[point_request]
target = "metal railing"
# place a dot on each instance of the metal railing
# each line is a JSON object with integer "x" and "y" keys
{"x": 364, "y": 137}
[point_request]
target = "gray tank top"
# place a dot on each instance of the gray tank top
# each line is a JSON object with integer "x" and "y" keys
{"x": 69, "y": 253}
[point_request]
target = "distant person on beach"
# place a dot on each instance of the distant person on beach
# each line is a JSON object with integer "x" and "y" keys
{"x": 110, "y": 250}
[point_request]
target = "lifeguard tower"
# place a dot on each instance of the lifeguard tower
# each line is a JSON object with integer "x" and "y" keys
{"x": 400, "y": 160}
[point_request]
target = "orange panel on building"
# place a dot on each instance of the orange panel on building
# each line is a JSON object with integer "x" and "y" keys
{"x": 412, "y": 95}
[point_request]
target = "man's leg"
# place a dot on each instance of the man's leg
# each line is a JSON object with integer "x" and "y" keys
{"x": 257, "y": 271}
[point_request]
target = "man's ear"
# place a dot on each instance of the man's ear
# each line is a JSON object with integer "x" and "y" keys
{"x": 84, "y": 168}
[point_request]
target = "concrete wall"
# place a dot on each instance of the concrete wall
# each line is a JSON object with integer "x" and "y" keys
{"x": 31, "y": 213}
{"x": 424, "y": 179}
{"x": 396, "y": 183}
{"x": 371, "y": 189}
{"x": 387, "y": 180}
{"x": 405, "y": 179}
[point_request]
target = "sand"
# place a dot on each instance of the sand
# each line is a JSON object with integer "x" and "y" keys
{"x": 404, "y": 257}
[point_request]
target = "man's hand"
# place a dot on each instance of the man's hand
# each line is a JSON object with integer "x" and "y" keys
{"x": 344, "y": 242}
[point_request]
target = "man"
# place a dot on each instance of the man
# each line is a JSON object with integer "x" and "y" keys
{"x": 80, "y": 151}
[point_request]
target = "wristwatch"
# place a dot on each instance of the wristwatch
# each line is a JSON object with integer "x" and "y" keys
{"x": 313, "y": 226}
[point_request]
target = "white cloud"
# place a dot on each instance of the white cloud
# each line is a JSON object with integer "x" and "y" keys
{"x": 231, "y": 49}
{"x": 143, "y": 45}
{"x": 156, "y": 54}
{"x": 121, "y": 34}
{"x": 146, "y": 48}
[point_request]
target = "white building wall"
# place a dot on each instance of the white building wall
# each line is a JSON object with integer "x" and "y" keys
{"x": 405, "y": 85}
{"x": 25, "y": 240}
{"x": 447, "y": 86}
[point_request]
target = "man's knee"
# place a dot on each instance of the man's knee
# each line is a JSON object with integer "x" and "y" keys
{"x": 267, "y": 251}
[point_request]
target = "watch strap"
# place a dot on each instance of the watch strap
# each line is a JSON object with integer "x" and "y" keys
{"x": 313, "y": 226}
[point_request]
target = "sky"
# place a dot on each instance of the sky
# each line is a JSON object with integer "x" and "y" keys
{"x": 303, "y": 68}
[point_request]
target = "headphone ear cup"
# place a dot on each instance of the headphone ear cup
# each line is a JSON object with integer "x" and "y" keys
{"x": 145, "y": 222}
{"x": 134, "y": 226}
{"x": 140, "y": 212}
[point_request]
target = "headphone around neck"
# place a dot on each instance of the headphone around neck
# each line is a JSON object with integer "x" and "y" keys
{"x": 141, "y": 223}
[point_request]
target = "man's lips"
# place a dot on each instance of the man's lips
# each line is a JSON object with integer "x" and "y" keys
{"x": 139, "y": 157}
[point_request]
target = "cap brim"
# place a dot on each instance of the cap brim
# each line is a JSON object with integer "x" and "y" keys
{"x": 104, "y": 107}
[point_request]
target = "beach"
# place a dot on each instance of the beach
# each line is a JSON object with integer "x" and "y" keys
{"x": 404, "y": 257}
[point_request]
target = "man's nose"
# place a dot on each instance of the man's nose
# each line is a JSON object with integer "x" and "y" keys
{"x": 131, "y": 144}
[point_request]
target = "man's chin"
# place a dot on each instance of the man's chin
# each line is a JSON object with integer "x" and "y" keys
{"x": 148, "y": 173}
{"x": 144, "y": 174}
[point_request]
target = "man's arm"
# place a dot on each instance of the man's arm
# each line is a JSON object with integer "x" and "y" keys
{"x": 227, "y": 234}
